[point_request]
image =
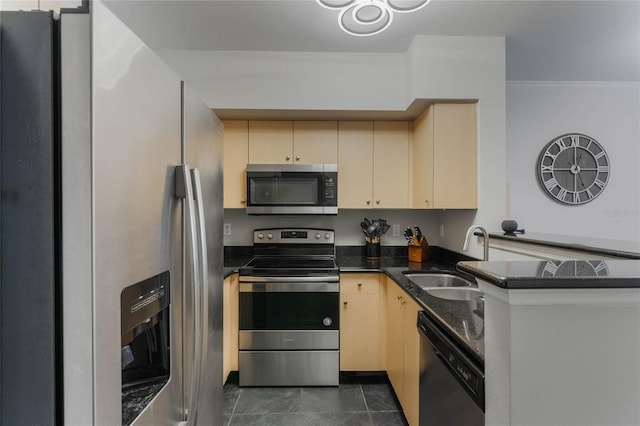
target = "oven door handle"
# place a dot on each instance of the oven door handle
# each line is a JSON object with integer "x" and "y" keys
{"x": 290, "y": 287}
{"x": 324, "y": 279}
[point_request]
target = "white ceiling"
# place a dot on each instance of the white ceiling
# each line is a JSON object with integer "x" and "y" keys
{"x": 573, "y": 40}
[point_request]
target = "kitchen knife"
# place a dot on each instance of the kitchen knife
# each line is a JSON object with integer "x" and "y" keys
{"x": 418, "y": 232}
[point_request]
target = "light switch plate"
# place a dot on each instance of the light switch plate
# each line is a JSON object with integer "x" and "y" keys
{"x": 227, "y": 229}
{"x": 442, "y": 231}
{"x": 395, "y": 230}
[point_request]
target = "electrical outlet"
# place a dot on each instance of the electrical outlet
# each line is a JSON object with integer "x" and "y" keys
{"x": 395, "y": 230}
{"x": 441, "y": 231}
{"x": 227, "y": 229}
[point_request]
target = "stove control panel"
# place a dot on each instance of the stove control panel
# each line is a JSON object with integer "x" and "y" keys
{"x": 294, "y": 236}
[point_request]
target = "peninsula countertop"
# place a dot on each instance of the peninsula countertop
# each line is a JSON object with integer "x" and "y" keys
{"x": 548, "y": 274}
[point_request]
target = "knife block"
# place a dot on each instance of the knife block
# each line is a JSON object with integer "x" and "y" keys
{"x": 420, "y": 251}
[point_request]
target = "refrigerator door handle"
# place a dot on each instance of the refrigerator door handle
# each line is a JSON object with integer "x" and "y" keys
{"x": 184, "y": 189}
{"x": 204, "y": 282}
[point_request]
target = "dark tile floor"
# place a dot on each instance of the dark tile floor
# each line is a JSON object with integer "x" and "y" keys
{"x": 361, "y": 399}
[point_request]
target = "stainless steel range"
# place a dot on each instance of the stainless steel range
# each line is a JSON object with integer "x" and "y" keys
{"x": 289, "y": 309}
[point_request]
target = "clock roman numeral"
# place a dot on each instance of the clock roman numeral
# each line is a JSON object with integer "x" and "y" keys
{"x": 561, "y": 194}
{"x": 603, "y": 169}
{"x": 551, "y": 183}
{"x": 560, "y": 144}
{"x": 546, "y": 169}
{"x": 600, "y": 267}
{"x": 575, "y": 140}
{"x": 589, "y": 194}
{"x": 550, "y": 267}
{"x": 599, "y": 183}
{"x": 598, "y": 155}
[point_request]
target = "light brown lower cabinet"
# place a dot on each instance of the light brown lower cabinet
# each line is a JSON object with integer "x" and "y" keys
{"x": 403, "y": 348}
{"x": 229, "y": 326}
{"x": 360, "y": 322}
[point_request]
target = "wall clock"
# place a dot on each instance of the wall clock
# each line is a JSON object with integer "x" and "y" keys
{"x": 573, "y": 169}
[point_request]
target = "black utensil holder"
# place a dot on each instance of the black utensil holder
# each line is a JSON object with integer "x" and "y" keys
{"x": 372, "y": 250}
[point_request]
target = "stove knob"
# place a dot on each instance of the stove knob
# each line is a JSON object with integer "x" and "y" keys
{"x": 317, "y": 236}
{"x": 327, "y": 322}
{"x": 260, "y": 236}
{"x": 327, "y": 236}
{"x": 270, "y": 235}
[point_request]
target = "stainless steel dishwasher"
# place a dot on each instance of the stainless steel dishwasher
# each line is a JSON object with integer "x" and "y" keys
{"x": 451, "y": 382}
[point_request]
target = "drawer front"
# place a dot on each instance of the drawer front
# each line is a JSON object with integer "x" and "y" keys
{"x": 359, "y": 283}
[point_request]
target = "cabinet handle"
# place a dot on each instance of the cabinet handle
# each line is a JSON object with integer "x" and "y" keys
{"x": 399, "y": 297}
{"x": 297, "y": 158}
{"x": 368, "y": 201}
{"x": 377, "y": 201}
{"x": 359, "y": 284}
{"x": 426, "y": 202}
{"x": 243, "y": 201}
{"x": 404, "y": 302}
{"x": 288, "y": 157}
{"x": 345, "y": 303}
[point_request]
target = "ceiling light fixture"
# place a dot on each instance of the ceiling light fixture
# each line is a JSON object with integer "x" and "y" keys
{"x": 369, "y": 17}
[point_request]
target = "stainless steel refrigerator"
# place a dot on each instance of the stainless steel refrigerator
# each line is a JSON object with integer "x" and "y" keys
{"x": 110, "y": 229}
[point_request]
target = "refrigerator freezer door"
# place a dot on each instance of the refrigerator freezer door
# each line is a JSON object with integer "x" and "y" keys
{"x": 137, "y": 228}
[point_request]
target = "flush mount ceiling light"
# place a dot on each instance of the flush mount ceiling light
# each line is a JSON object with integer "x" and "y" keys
{"x": 369, "y": 17}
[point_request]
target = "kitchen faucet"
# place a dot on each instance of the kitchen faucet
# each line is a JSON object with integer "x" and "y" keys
{"x": 485, "y": 235}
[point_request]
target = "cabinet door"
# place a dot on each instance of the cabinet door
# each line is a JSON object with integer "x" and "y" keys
{"x": 411, "y": 361}
{"x": 359, "y": 322}
{"x": 270, "y": 142}
{"x": 391, "y": 164}
{"x": 229, "y": 325}
{"x": 422, "y": 160}
{"x": 395, "y": 337}
{"x": 315, "y": 142}
{"x": 355, "y": 164}
{"x": 444, "y": 146}
{"x": 236, "y": 156}
{"x": 455, "y": 154}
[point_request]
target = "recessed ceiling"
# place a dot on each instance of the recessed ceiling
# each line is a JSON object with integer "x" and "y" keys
{"x": 545, "y": 40}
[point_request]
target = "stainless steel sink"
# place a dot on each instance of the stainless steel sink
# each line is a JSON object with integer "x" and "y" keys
{"x": 431, "y": 281}
{"x": 455, "y": 293}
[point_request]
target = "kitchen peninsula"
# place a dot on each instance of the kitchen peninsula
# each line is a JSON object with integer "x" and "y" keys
{"x": 562, "y": 341}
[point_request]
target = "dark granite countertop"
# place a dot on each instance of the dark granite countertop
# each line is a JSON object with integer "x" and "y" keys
{"x": 547, "y": 274}
{"x": 454, "y": 316}
{"x": 598, "y": 246}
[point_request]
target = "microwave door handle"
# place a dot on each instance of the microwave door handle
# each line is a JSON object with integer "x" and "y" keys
{"x": 204, "y": 282}
{"x": 184, "y": 189}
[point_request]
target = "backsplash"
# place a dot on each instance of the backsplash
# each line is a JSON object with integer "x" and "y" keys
{"x": 346, "y": 224}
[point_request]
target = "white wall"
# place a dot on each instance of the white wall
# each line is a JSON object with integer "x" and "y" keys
{"x": 434, "y": 67}
{"x": 609, "y": 112}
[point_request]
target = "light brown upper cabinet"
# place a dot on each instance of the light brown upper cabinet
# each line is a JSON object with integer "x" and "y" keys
{"x": 355, "y": 164}
{"x": 236, "y": 156}
{"x": 373, "y": 161}
{"x": 293, "y": 142}
{"x": 444, "y": 151}
{"x": 391, "y": 164}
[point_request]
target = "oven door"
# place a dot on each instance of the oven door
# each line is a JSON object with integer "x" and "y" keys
{"x": 292, "y": 189}
{"x": 288, "y": 313}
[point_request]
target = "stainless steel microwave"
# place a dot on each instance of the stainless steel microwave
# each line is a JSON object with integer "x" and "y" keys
{"x": 292, "y": 188}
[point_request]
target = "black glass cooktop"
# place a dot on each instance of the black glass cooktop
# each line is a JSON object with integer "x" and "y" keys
{"x": 289, "y": 266}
